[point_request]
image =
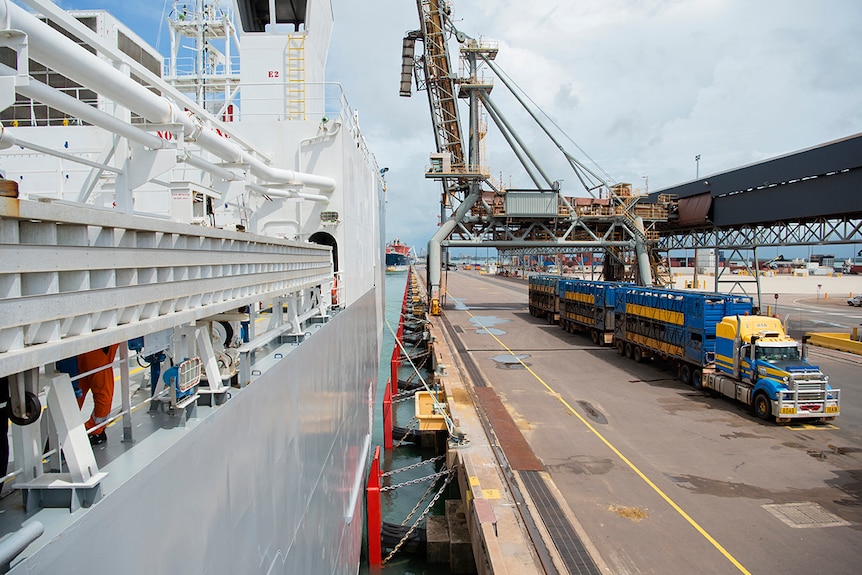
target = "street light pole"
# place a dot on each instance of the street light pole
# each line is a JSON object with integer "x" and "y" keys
{"x": 697, "y": 166}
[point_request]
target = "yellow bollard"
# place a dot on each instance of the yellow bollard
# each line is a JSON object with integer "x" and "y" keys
{"x": 826, "y": 295}
{"x": 855, "y": 336}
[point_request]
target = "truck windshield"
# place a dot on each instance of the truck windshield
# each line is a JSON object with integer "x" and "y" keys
{"x": 777, "y": 353}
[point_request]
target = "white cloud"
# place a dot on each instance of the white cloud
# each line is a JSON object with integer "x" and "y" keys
{"x": 641, "y": 85}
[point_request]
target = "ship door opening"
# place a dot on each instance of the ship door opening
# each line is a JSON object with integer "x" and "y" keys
{"x": 326, "y": 239}
{"x": 255, "y": 15}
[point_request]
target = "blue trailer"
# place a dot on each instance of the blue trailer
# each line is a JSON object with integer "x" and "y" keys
{"x": 542, "y": 295}
{"x": 673, "y": 325}
{"x": 588, "y": 306}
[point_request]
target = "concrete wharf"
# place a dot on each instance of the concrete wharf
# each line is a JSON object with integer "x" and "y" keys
{"x": 573, "y": 465}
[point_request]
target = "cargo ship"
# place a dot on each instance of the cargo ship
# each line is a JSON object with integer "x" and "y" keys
{"x": 398, "y": 256}
{"x": 215, "y": 219}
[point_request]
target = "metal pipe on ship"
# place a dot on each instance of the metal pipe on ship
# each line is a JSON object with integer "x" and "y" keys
{"x": 58, "y": 52}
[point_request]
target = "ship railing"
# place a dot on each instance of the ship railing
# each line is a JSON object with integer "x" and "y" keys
{"x": 286, "y": 101}
{"x": 289, "y": 315}
{"x": 186, "y": 66}
{"x": 122, "y": 411}
{"x": 23, "y": 460}
{"x": 26, "y": 112}
{"x": 273, "y": 101}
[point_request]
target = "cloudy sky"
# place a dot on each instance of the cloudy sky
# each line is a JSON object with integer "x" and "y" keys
{"x": 641, "y": 86}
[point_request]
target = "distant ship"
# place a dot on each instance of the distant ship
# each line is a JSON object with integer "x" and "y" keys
{"x": 398, "y": 256}
{"x": 216, "y": 217}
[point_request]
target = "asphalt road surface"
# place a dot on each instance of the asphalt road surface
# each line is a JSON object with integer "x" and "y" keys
{"x": 664, "y": 478}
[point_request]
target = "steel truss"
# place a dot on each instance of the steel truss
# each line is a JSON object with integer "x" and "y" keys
{"x": 560, "y": 233}
{"x": 817, "y": 231}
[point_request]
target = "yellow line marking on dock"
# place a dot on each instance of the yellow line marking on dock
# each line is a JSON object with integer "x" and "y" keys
{"x": 625, "y": 459}
{"x": 810, "y": 427}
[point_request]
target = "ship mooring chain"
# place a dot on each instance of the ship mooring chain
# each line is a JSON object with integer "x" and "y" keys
{"x": 420, "y": 502}
{"x": 410, "y": 425}
{"x": 413, "y": 466}
{"x": 450, "y": 473}
{"x": 423, "y": 355}
{"x": 402, "y": 397}
{"x": 415, "y": 481}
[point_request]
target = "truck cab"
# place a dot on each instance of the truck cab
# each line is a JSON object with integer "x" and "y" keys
{"x": 767, "y": 370}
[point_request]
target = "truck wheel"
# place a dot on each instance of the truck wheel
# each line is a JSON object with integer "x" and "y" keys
{"x": 697, "y": 379}
{"x": 629, "y": 350}
{"x": 638, "y": 354}
{"x": 620, "y": 347}
{"x": 685, "y": 373}
{"x": 762, "y": 406}
{"x": 594, "y": 335}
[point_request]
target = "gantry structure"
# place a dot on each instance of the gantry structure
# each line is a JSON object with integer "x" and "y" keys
{"x": 478, "y": 211}
{"x": 764, "y": 204}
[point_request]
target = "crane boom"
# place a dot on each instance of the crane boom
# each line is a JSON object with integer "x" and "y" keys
{"x": 440, "y": 84}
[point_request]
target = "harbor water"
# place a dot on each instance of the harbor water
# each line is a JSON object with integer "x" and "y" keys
{"x": 398, "y": 503}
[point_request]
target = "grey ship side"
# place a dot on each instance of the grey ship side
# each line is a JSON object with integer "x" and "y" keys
{"x": 228, "y": 217}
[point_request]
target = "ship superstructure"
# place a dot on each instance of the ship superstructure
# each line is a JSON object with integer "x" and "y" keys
{"x": 222, "y": 223}
{"x": 398, "y": 256}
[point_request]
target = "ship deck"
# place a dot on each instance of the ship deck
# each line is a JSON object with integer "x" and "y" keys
{"x": 155, "y": 429}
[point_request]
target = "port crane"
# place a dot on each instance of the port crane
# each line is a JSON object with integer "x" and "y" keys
{"x": 478, "y": 211}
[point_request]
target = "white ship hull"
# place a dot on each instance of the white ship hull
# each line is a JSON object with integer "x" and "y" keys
{"x": 204, "y": 224}
{"x": 265, "y": 484}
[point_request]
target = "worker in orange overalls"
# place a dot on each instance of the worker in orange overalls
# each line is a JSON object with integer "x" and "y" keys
{"x": 101, "y": 384}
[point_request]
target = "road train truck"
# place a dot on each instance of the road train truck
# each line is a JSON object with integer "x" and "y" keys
{"x": 757, "y": 363}
{"x": 715, "y": 343}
